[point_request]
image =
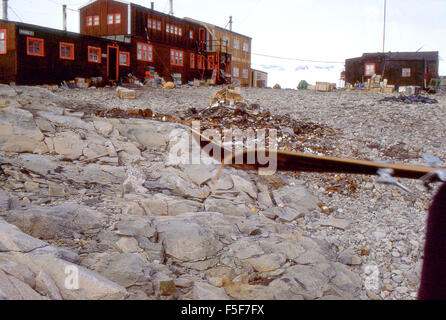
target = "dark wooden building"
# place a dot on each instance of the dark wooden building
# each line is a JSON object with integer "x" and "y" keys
{"x": 400, "y": 68}
{"x": 38, "y": 55}
{"x": 116, "y": 38}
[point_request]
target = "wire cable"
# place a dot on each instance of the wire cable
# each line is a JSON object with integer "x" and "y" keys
{"x": 295, "y": 59}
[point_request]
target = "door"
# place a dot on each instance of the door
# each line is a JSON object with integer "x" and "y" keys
{"x": 112, "y": 63}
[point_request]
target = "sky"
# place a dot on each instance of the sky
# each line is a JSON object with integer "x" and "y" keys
{"x": 292, "y": 33}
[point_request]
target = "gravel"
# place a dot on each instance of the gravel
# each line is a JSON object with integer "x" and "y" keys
{"x": 385, "y": 218}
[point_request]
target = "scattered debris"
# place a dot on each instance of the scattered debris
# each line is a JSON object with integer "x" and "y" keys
{"x": 169, "y": 85}
{"x": 124, "y": 93}
{"x": 410, "y": 99}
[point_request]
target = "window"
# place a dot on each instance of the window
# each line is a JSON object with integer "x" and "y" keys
{"x": 245, "y": 46}
{"x": 406, "y": 72}
{"x": 245, "y": 74}
{"x": 225, "y": 42}
{"x": 200, "y": 62}
{"x": 66, "y": 50}
{"x": 124, "y": 59}
{"x": 180, "y": 32}
{"x": 154, "y": 24}
{"x": 2, "y": 41}
{"x": 176, "y": 30}
{"x": 110, "y": 19}
{"x": 158, "y": 25}
{"x": 236, "y": 73}
{"x": 192, "y": 61}
{"x": 35, "y": 47}
{"x": 144, "y": 52}
{"x": 94, "y": 54}
{"x": 96, "y": 20}
{"x": 191, "y": 34}
{"x": 176, "y": 57}
{"x": 167, "y": 28}
{"x": 210, "y": 62}
{"x": 369, "y": 69}
{"x": 117, "y": 18}
{"x": 236, "y": 44}
{"x": 89, "y": 21}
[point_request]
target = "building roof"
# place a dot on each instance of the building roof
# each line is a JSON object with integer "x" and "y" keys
{"x": 426, "y": 55}
{"x": 215, "y": 27}
{"x": 93, "y": 1}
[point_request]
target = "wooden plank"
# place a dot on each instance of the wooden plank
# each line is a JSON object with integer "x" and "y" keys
{"x": 301, "y": 162}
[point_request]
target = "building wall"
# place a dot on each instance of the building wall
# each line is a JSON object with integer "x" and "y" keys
{"x": 241, "y": 59}
{"x": 392, "y": 70}
{"x": 259, "y": 79}
{"x": 8, "y": 60}
{"x": 103, "y": 8}
{"x": 50, "y": 68}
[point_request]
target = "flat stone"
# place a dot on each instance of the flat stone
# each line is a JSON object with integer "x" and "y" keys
{"x": 128, "y": 245}
{"x": 204, "y": 291}
{"x": 245, "y": 186}
{"x": 342, "y": 224}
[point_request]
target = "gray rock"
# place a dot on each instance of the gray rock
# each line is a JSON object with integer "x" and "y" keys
{"x": 226, "y": 207}
{"x": 63, "y": 221}
{"x": 342, "y": 224}
{"x": 349, "y": 257}
{"x": 46, "y": 286}
{"x": 295, "y": 197}
{"x": 204, "y": 291}
{"x": 245, "y": 186}
{"x": 186, "y": 240}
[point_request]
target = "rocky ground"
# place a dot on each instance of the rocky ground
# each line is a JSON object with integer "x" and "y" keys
{"x": 107, "y": 200}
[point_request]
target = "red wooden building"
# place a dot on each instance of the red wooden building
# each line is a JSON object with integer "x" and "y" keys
{"x": 116, "y": 38}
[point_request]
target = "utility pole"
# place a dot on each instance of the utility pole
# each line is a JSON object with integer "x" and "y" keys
{"x": 230, "y": 23}
{"x": 384, "y": 33}
{"x": 64, "y": 17}
{"x": 171, "y": 7}
{"x": 5, "y": 10}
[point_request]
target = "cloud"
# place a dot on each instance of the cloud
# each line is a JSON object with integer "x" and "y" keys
{"x": 301, "y": 68}
{"x": 273, "y": 67}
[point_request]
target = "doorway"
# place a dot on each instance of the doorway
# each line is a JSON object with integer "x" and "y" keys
{"x": 112, "y": 63}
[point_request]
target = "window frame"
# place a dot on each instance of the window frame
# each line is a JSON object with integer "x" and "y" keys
{"x": 68, "y": 44}
{"x": 403, "y": 75}
{"x": 192, "y": 61}
{"x": 4, "y": 31}
{"x": 89, "y": 21}
{"x": 112, "y": 16}
{"x": 191, "y": 34}
{"x": 94, "y": 21}
{"x": 245, "y": 71}
{"x": 149, "y": 52}
{"x": 211, "y": 62}
{"x": 117, "y": 21}
{"x": 176, "y": 54}
{"x": 367, "y": 74}
{"x": 234, "y": 73}
{"x": 42, "y": 44}
{"x": 99, "y": 54}
{"x": 238, "y": 44}
{"x": 245, "y": 46}
{"x": 128, "y": 58}
{"x": 201, "y": 59}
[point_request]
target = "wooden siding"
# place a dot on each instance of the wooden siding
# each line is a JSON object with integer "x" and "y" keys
{"x": 391, "y": 69}
{"x": 8, "y": 61}
{"x": 50, "y": 68}
{"x": 140, "y": 16}
{"x": 103, "y": 8}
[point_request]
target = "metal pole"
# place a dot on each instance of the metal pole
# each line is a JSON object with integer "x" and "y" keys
{"x": 64, "y": 13}
{"x": 171, "y": 7}
{"x": 384, "y": 33}
{"x": 152, "y": 5}
{"x": 5, "y": 10}
{"x": 230, "y": 23}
